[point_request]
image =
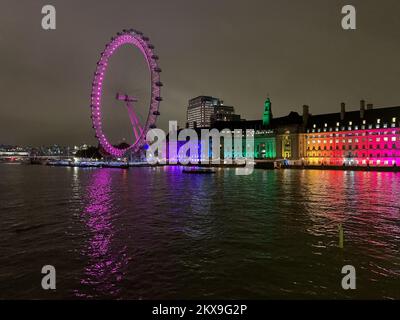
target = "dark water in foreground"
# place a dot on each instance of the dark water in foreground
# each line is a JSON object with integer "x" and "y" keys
{"x": 157, "y": 233}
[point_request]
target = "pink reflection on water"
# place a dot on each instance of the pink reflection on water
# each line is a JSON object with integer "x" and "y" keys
{"x": 366, "y": 205}
{"x": 105, "y": 270}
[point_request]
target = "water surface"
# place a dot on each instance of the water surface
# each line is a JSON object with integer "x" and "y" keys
{"x": 148, "y": 233}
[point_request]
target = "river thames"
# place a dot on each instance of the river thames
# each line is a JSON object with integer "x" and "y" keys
{"x": 156, "y": 233}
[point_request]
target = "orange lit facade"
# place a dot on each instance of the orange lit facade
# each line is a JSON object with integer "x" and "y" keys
{"x": 359, "y": 138}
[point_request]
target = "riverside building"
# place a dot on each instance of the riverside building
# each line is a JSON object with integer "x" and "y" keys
{"x": 369, "y": 136}
{"x": 366, "y": 137}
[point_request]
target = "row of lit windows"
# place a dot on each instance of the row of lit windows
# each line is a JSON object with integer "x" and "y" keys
{"x": 351, "y": 134}
{"x": 350, "y": 147}
{"x": 356, "y": 127}
{"x": 355, "y": 155}
{"x": 385, "y": 139}
{"x": 351, "y": 128}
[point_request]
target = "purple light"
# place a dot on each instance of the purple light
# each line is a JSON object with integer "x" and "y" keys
{"x": 122, "y": 39}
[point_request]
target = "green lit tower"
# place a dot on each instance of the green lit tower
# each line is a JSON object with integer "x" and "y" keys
{"x": 267, "y": 116}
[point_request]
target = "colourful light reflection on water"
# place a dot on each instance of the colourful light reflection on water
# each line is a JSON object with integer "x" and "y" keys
{"x": 105, "y": 268}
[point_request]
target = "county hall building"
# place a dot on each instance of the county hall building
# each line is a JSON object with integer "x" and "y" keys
{"x": 367, "y": 136}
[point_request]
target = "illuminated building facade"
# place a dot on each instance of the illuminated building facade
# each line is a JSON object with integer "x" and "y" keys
{"x": 264, "y": 145}
{"x": 368, "y": 137}
{"x": 200, "y": 111}
{"x": 365, "y": 137}
{"x": 203, "y": 111}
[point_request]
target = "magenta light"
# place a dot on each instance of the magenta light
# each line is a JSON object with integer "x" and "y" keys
{"x": 375, "y": 147}
{"x": 138, "y": 40}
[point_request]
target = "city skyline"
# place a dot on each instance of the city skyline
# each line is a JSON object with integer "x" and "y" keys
{"x": 199, "y": 158}
{"x": 297, "y": 53}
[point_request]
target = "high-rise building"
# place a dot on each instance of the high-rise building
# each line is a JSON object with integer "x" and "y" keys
{"x": 204, "y": 110}
{"x": 200, "y": 111}
{"x": 224, "y": 113}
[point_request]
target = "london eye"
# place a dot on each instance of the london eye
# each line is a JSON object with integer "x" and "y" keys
{"x": 142, "y": 42}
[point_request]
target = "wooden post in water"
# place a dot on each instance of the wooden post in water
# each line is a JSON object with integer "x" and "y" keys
{"x": 341, "y": 236}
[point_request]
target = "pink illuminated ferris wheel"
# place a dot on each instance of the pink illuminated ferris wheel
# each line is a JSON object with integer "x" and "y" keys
{"x": 136, "y": 38}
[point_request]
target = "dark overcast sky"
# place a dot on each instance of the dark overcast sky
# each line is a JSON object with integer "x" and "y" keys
{"x": 237, "y": 50}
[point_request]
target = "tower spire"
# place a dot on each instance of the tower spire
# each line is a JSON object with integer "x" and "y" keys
{"x": 267, "y": 115}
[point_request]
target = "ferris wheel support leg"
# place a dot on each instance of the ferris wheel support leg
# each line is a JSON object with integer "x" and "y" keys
{"x": 138, "y": 123}
{"x": 132, "y": 118}
{"x": 135, "y": 118}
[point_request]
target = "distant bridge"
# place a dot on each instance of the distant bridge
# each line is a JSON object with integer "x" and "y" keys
{"x": 18, "y": 157}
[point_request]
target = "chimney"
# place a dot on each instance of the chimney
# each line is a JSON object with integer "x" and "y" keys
{"x": 342, "y": 110}
{"x": 306, "y": 110}
{"x": 370, "y": 106}
{"x": 362, "y": 109}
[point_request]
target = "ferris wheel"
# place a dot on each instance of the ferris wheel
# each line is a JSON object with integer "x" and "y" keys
{"x": 137, "y": 39}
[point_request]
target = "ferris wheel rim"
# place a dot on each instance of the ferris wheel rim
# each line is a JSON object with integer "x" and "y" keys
{"x": 140, "y": 41}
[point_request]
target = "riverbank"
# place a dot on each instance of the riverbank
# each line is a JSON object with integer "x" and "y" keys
{"x": 345, "y": 168}
{"x": 265, "y": 165}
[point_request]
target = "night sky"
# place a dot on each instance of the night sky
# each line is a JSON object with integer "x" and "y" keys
{"x": 236, "y": 50}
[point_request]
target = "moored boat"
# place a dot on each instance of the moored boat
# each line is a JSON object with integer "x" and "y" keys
{"x": 198, "y": 171}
